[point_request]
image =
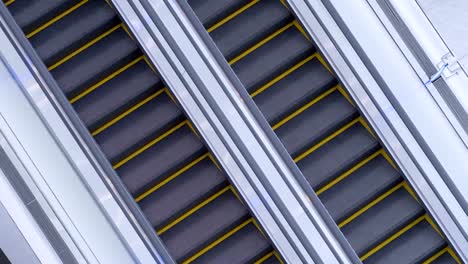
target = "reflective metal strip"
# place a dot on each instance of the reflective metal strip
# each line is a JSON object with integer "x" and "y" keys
{"x": 243, "y": 143}
{"x": 397, "y": 105}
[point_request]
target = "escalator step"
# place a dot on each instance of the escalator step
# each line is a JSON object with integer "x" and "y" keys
{"x": 80, "y": 27}
{"x": 337, "y": 156}
{"x": 139, "y": 127}
{"x": 204, "y": 226}
{"x": 30, "y": 14}
{"x": 211, "y": 11}
{"x": 182, "y": 193}
{"x": 160, "y": 160}
{"x": 244, "y": 246}
{"x": 117, "y": 95}
{"x": 360, "y": 188}
{"x": 382, "y": 220}
{"x": 96, "y": 62}
{"x": 445, "y": 258}
{"x": 272, "y": 58}
{"x": 316, "y": 122}
{"x": 413, "y": 246}
{"x": 250, "y": 27}
{"x": 294, "y": 91}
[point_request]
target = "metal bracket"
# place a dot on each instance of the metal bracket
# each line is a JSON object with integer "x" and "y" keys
{"x": 453, "y": 65}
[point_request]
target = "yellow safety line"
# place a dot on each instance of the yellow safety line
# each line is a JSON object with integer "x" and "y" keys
{"x": 267, "y": 256}
{"x": 259, "y": 228}
{"x": 391, "y": 238}
{"x": 346, "y": 95}
{"x": 303, "y": 108}
{"x": 215, "y": 161}
{"x": 217, "y": 242}
{"x": 367, "y": 127}
{"x": 171, "y": 177}
{"x": 283, "y": 75}
{"x": 301, "y": 29}
{"x": 436, "y": 256}
{"x": 262, "y": 42}
{"x": 369, "y": 205}
{"x": 326, "y": 140}
{"x": 190, "y": 125}
{"x": 454, "y": 256}
{"x": 55, "y": 19}
{"x": 106, "y": 79}
{"x": 84, "y": 47}
{"x": 231, "y": 16}
{"x": 193, "y": 210}
{"x": 150, "y": 65}
{"x": 7, "y": 3}
{"x": 127, "y": 112}
{"x": 278, "y": 257}
{"x": 149, "y": 144}
{"x": 285, "y": 4}
{"x": 410, "y": 191}
{"x": 348, "y": 172}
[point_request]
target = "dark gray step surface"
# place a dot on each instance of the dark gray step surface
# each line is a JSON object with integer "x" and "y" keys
{"x": 31, "y": 14}
{"x": 272, "y": 58}
{"x": 360, "y": 188}
{"x": 182, "y": 193}
{"x": 338, "y": 155}
{"x": 204, "y": 226}
{"x": 250, "y": 27}
{"x": 413, "y": 246}
{"x": 382, "y": 220}
{"x": 96, "y": 62}
{"x": 160, "y": 160}
{"x": 74, "y": 30}
{"x": 117, "y": 95}
{"x": 293, "y": 91}
{"x": 139, "y": 127}
{"x": 244, "y": 246}
{"x": 212, "y": 11}
{"x": 315, "y": 123}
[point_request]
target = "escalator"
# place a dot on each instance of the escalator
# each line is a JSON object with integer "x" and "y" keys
{"x": 323, "y": 131}
{"x": 142, "y": 131}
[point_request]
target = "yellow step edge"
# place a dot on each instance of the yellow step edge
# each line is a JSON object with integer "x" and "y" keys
{"x": 283, "y": 75}
{"x": 55, "y": 19}
{"x": 326, "y": 140}
{"x": 346, "y": 95}
{"x": 264, "y": 258}
{"x": 128, "y": 111}
{"x": 410, "y": 191}
{"x": 7, "y": 3}
{"x": 303, "y": 108}
{"x": 261, "y": 43}
{"x": 391, "y": 238}
{"x": 278, "y": 257}
{"x": 171, "y": 177}
{"x": 454, "y": 256}
{"x": 390, "y": 160}
{"x": 106, "y": 79}
{"x": 370, "y": 205}
{"x": 215, "y": 161}
{"x": 149, "y": 145}
{"x": 193, "y": 210}
{"x": 217, "y": 242}
{"x": 436, "y": 255}
{"x": 259, "y": 228}
{"x": 301, "y": 29}
{"x": 231, "y": 16}
{"x": 348, "y": 172}
{"x": 84, "y": 47}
